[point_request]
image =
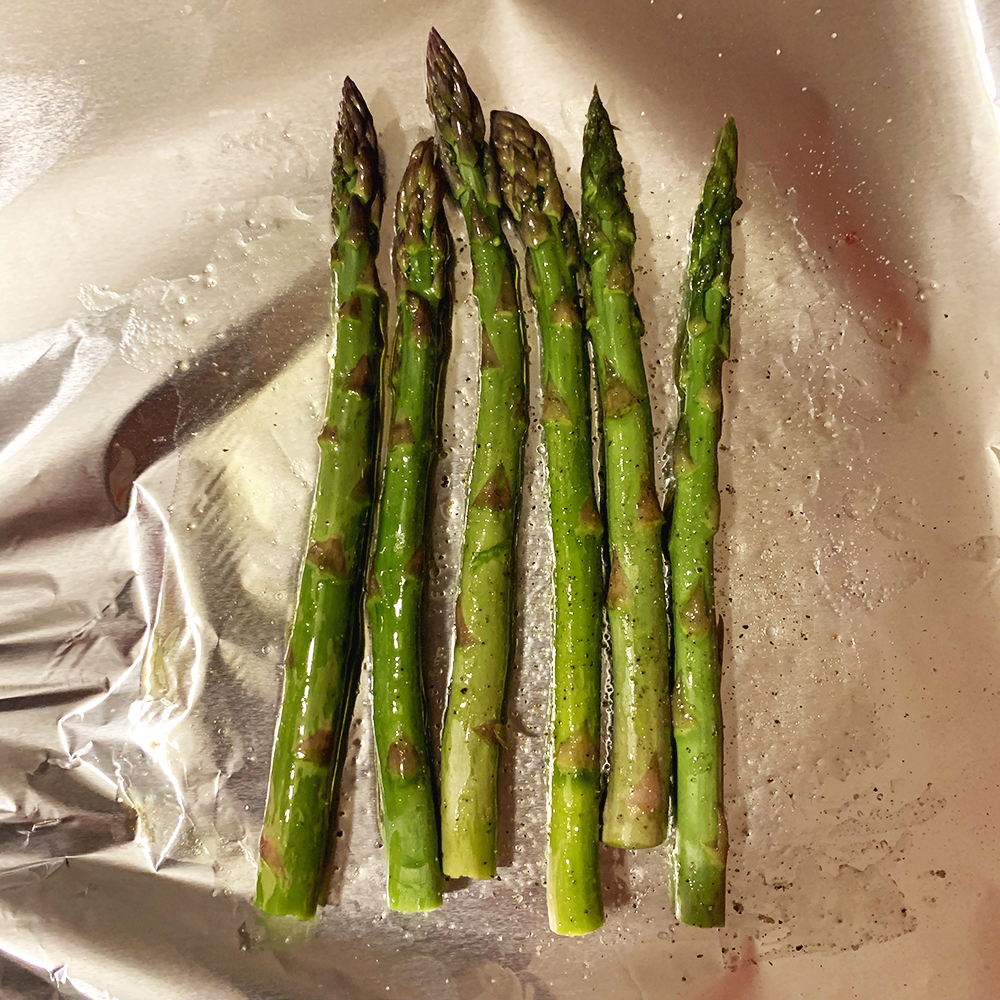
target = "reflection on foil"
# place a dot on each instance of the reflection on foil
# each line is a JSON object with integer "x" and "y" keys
{"x": 41, "y": 375}
{"x": 240, "y": 361}
{"x": 157, "y": 498}
{"x": 41, "y": 117}
{"x": 975, "y": 23}
{"x": 133, "y": 736}
{"x": 26, "y": 875}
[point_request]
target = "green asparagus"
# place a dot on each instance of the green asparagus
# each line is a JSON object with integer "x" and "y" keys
{"x": 323, "y": 655}
{"x": 473, "y": 730}
{"x": 638, "y": 782}
{"x": 703, "y": 345}
{"x": 534, "y": 196}
{"x": 421, "y": 256}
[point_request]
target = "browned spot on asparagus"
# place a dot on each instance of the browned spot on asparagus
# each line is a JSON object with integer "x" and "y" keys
{"x": 619, "y": 591}
{"x": 401, "y": 433}
{"x": 270, "y": 856}
{"x": 619, "y": 277}
{"x": 555, "y": 408}
{"x": 648, "y": 507}
{"x": 363, "y": 487}
{"x": 415, "y": 566}
{"x": 694, "y": 614}
{"x": 589, "y": 520}
{"x": 506, "y": 297}
{"x": 578, "y": 753}
{"x": 353, "y": 308}
{"x": 496, "y": 493}
{"x": 618, "y": 398}
{"x": 683, "y": 463}
{"x": 403, "y": 759}
{"x": 329, "y": 555}
{"x": 316, "y": 748}
{"x": 649, "y": 795}
{"x": 492, "y": 732}
{"x": 490, "y": 359}
{"x": 463, "y": 634}
{"x": 564, "y": 312}
{"x": 359, "y": 378}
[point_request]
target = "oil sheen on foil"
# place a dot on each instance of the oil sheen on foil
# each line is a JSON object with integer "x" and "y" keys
{"x": 164, "y": 183}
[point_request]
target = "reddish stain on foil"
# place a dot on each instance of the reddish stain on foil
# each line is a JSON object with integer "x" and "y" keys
{"x": 741, "y": 983}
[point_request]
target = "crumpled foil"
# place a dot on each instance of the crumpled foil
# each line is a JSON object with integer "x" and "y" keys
{"x": 164, "y": 177}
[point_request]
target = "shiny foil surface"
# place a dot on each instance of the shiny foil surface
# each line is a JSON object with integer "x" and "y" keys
{"x": 164, "y": 183}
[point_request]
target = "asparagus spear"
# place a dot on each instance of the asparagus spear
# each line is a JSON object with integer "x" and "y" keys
{"x": 421, "y": 256}
{"x": 703, "y": 345}
{"x": 474, "y": 718}
{"x": 635, "y": 805}
{"x": 323, "y": 655}
{"x": 532, "y": 192}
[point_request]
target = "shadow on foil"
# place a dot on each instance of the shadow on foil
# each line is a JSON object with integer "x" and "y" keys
{"x": 252, "y": 354}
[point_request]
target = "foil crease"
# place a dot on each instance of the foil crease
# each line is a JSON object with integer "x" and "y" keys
{"x": 164, "y": 183}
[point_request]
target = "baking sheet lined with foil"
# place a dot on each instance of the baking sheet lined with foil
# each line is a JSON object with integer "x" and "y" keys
{"x": 165, "y": 187}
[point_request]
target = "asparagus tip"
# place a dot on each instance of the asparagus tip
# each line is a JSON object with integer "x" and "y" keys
{"x": 602, "y": 163}
{"x": 442, "y": 65}
{"x": 720, "y": 182}
{"x": 527, "y": 175}
{"x": 597, "y": 113}
{"x": 355, "y": 127}
{"x": 446, "y": 80}
{"x": 726, "y": 144}
{"x": 350, "y": 90}
{"x": 419, "y": 188}
{"x": 355, "y": 169}
{"x": 458, "y": 115}
{"x": 354, "y": 114}
{"x": 421, "y": 225}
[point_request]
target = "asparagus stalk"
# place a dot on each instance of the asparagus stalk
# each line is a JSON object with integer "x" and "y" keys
{"x": 474, "y": 718}
{"x": 546, "y": 224}
{"x": 323, "y": 655}
{"x": 421, "y": 255}
{"x": 635, "y": 805}
{"x": 703, "y": 345}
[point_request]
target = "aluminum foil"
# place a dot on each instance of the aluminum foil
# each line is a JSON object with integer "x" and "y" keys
{"x": 165, "y": 181}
